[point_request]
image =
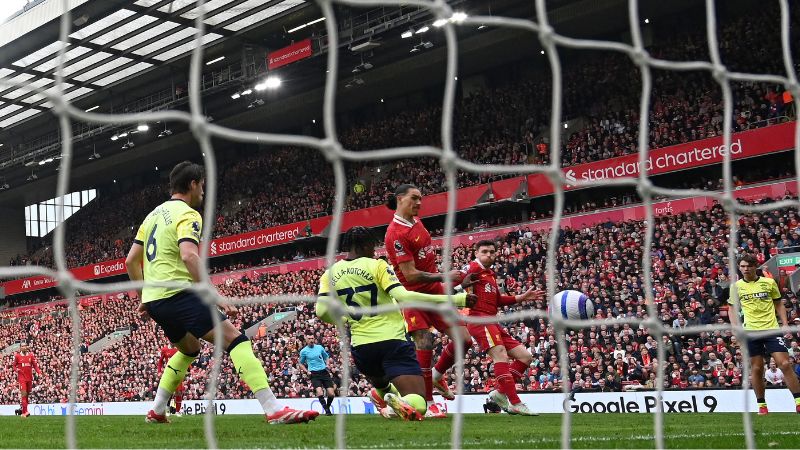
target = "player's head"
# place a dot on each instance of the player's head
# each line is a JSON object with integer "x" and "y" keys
{"x": 23, "y": 347}
{"x": 486, "y": 252}
{"x": 748, "y": 265}
{"x": 188, "y": 178}
{"x": 406, "y": 200}
{"x": 360, "y": 242}
{"x": 310, "y": 340}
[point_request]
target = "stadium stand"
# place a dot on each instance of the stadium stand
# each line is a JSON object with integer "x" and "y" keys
{"x": 603, "y": 260}
{"x": 501, "y": 124}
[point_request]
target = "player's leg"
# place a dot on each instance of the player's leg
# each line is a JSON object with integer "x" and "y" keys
{"x": 448, "y": 357}
{"x": 400, "y": 366}
{"x": 411, "y": 390}
{"x": 23, "y": 398}
{"x": 250, "y": 370}
{"x": 169, "y": 314}
{"x": 175, "y": 371}
{"x": 399, "y": 357}
{"x": 330, "y": 391}
{"x": 784, "y": 363}
{"x": 316, "y": 382}
{"x": 502, "y": 374}
{"x": 757, "y": 351}
{"x": 522, "y": 360}
{"x": 417, "y": 324}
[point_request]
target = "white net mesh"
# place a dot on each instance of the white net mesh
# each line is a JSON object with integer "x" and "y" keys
{"x": 451, "y": 163}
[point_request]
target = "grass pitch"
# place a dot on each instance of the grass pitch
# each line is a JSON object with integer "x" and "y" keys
{"x": 480, "y": 431}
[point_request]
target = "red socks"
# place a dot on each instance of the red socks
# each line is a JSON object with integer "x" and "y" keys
{"x": 24, "y": 405}
{"x": 505, "y": 382}
{"x": 447, "y": 359}
{"x": 425, "y": 358}
{"x": 518, "y": 369}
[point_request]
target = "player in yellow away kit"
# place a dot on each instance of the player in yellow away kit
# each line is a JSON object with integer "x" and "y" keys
{"x": 380, "y": 348}
{"x": 759, "y": 301}
{"x": 166, "y": 250}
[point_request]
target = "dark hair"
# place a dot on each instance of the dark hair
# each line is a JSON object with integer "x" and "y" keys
{"x": 485, "y": 243}
{"x": 749, "y": 259}
{"x": 358, "y": 237}
{"x": 182, "y": 175}
{"x": 403, "y": 189}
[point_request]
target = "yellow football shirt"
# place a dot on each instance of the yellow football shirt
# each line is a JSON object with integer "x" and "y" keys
{"x": 161, "y": 233}
{"x": 756, "y": 303}
{"x": 366, "y": 282}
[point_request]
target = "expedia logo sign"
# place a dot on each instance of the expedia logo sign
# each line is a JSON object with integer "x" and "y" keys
{"x": 108, "y": 269}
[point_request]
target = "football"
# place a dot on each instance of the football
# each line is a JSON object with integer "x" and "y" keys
{"x": 572, "y": 305}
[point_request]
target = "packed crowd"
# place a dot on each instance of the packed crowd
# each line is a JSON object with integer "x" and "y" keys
{"x": 498, "y": 124}
{"x": 690, "y": 279}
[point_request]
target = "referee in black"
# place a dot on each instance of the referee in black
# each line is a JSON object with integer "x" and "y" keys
{"x": 313, "y": 361}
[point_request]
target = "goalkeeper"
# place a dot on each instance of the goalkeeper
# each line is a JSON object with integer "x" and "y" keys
{"x": 380, "y": 348}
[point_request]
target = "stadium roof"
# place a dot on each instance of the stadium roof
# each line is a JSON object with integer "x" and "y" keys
{"x": 127, "y": 56}
{"x": 123, "y": 43}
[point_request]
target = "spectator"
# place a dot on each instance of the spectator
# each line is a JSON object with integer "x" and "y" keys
{"x": 773, "y": 376}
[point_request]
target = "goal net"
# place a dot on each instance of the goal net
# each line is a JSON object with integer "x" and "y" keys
{"x": 451, "y": 163}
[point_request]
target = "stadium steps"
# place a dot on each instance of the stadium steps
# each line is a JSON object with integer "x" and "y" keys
{"x": 109, "y": 340}
{"x": 271, "y": 323}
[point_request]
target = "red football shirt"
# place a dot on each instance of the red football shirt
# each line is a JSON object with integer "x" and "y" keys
{"x": 489, "y": 296}
{"x": 166, "y": 354}
{"x": 406, "y": 241}
{"x": 25, "y": 365}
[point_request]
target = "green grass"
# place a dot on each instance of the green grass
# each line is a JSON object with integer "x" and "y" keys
{"x": 480, "y": 431}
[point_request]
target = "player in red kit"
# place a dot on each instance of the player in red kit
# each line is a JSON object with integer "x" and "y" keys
{"x": 25, "y": 363}
{"x": 167, "y": 352}
{"x": 408, "y": 246}
{"x": 493, "y": 338}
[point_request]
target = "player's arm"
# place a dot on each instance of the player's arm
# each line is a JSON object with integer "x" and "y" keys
{"x": 133, "y": 263}
{"x": 320, "y": 308}
{"x": 404, "y": 254}
{"x": 777, "y": 300}
{"x": 530, "y": 294}
{"x": 412, "y": 275}
{"x": 301, "y": 363}
{"x": 190, "y": 255}
{"x": 35, "y": 365}
{"x": 729, "y": 300}
{"x": 780, "y": 310}
{"x": 161, "y": 361}
{"x": 388, "y": 281}
{"x": 188, "y": 231}
{"x": 399, "y": 293}
{"x": 16, "y": 362}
